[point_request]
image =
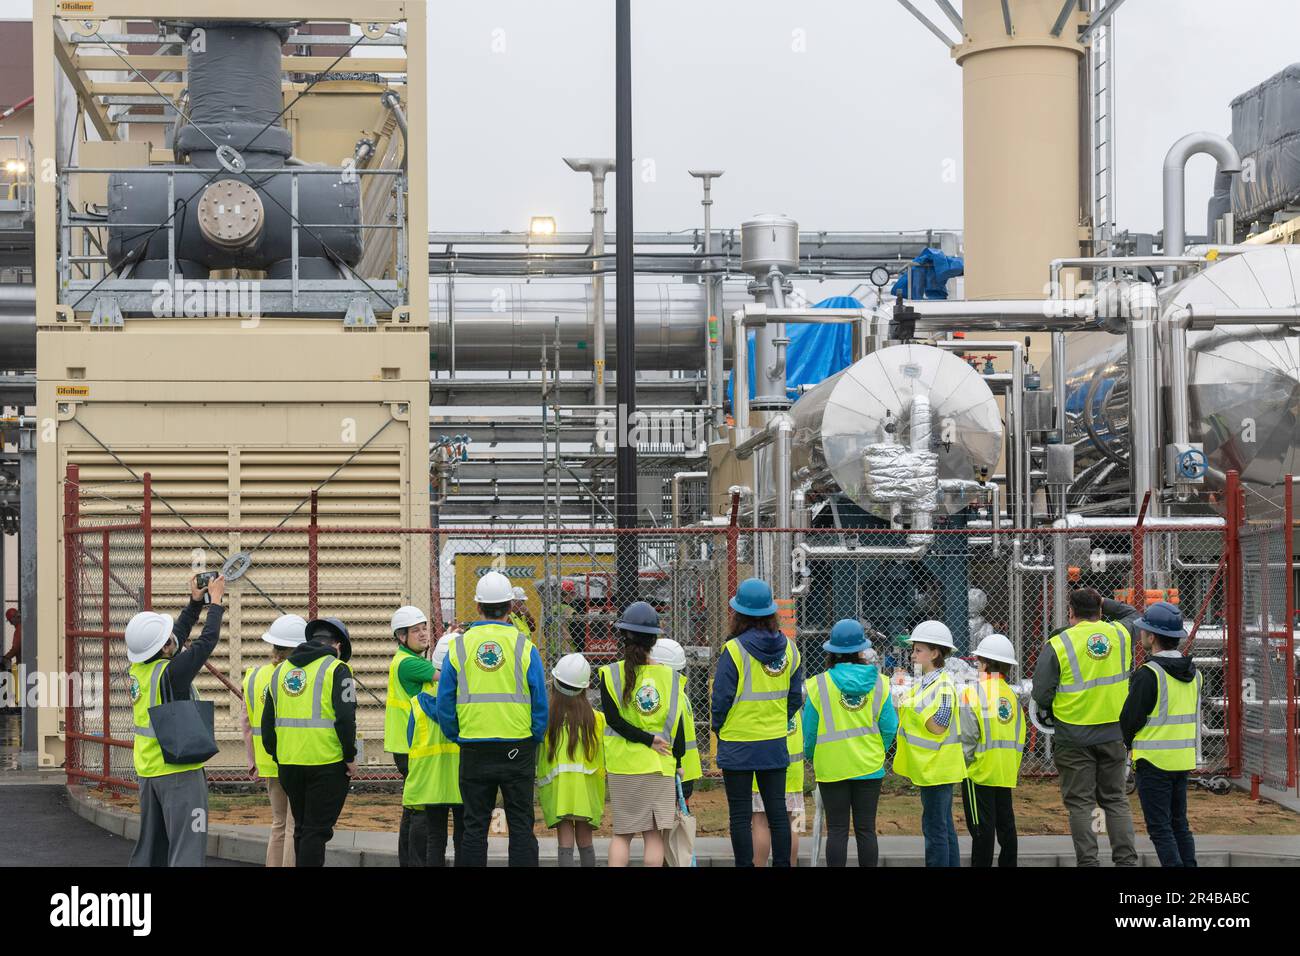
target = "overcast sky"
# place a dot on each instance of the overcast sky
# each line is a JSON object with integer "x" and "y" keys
{"x": 840, "y": 113}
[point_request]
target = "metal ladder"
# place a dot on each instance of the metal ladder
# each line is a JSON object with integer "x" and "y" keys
{"x": 1101, "y": 71}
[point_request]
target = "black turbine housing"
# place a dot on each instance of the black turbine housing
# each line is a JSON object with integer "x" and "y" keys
{"x": 235, "y": 100}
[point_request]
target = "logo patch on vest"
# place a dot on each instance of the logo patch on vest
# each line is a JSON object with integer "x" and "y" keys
{"x": 789, "y": 728}
{"x": 134, "y": 686}
{"x": 1006, "y": 710}
{"x": 776, "y": 668}
{"x": 854, "y": 702}
{"x": 1098, "y": 646}
{"x": 647, "y": 699}
{"x": 295, "y": 682}
{"x": 490, "y": 656}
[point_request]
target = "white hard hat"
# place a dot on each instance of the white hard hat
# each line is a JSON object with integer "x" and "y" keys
{"x": 572, "y": 674}
{"x": 287, "y": 630}
{"x": 494, "y": 588}
{"x": 976, "y": 601}
{"x": 146, "y": 633}
{"x": 996, "y": 647}
{"x": 667, "y": 651}
{"x": 406, "y": 616}
{"x": 932, "y": 632}
{"x": 442, "y": 648}
{"x": 519, "y": 594}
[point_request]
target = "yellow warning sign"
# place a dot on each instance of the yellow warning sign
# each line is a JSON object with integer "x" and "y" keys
{"x": 72, "y": 391}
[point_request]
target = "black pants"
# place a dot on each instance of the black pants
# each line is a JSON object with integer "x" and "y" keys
{"x": 1163, "y": 795}
{"x": 316, "y": 797}
{"x": 860, "y": 798}
{"x": 435, "y": 815}
{"x": 989, "y": 813}
{"x": 740, "y": 807}
{"x": 486, "y": 768}
{"x": 411, "y": 836}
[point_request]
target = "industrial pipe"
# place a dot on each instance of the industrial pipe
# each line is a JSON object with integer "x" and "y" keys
{"x": 1174, "y": 338}
{"x": 782, "y": 428}
{"x": 678, "y": 478}
{"x": 393, "y": 103}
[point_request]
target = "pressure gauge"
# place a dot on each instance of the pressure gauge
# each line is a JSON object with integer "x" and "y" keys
{"x": 880, "y": 277}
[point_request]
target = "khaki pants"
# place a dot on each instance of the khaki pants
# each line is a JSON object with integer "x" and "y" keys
{"x": 279, "y": 850}
{"x": 1092, "y": 779}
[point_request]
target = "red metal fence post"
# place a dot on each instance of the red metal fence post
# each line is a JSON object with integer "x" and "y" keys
{"x": 106, "y": 626}
{"x": 312, "y": 532}
{"x": 1232, "y": 611}
{"x": 70, "y": 521}
{"x": 146, "y": 526}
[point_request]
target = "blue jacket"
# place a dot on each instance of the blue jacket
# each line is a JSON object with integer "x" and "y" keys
{"x": 766, "y": 646}
{"x": 448, "y": 684}
{"x": 852, "y": 679}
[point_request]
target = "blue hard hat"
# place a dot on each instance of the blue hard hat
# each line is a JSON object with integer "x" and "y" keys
{"x": 1162, "y": 618}
{"x": 640, "y": 618}
{"x": 847, "y": 637}
{"x": 331, "y": 629}
{"x": 753, "y": 598}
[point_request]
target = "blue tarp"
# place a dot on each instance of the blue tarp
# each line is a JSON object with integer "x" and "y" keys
{"x": 933, "y": 275}
{"x": 815, "y": 352}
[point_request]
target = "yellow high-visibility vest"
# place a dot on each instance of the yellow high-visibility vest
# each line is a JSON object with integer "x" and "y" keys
{"x": 256, "y": 680}
{"x": 433, "y": 771}
{"x": 492, "y": 695}
{"x": 794, "y": 750}
{"x": 304, "y": 712}
{"x": 572, "y": 785}
{"x": 145, "y": 680}
{"x": 849, "y": 744}
{"x": 1168, "y": 739}
{"x": 655, "y": 707}
{"x": 1095, "y": 658}
{"x": 925, "y": 758}
{"x": 397, "y": 705}
{"x": 758, "y": 711}
{"x": 1001, "y": 724}
{"x": 692, "y": 769}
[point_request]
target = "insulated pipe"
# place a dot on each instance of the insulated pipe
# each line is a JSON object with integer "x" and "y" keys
{"x": 1174, "y": 338}
{"x": 678, "y": 478}
{"x": 839, "y": 552}
{"x": 1022, "y": 315}
{"x": 393, "y": 103}
{"x": 1144, "y": 399}
{"x": 740, "y": 367}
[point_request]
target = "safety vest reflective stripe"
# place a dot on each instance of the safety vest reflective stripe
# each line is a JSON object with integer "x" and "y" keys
{"x": 315, "y": 720}
{"x": 1078, "y": 685}
{"x": 1162, "y": 718}
{"x": 1150, "y": 737}
{"x": 560, "y": 768}
{"x": 1015, "y": 744}
{"x": 692, "y": 745}
{"x": 748, "y": 661}
{"x": 435, "y": 750}
{"x": 463, "y": 696}
{"x": 147, "y": 729}
{"x": 828, "y": 714}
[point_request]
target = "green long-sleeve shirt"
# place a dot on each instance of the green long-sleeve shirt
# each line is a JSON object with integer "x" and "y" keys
{"x": 414, "y": 671}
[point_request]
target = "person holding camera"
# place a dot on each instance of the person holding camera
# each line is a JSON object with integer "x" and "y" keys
{"x": 173, "y": 797}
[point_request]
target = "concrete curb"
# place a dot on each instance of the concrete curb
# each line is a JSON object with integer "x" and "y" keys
{"x": 368, "y": 848}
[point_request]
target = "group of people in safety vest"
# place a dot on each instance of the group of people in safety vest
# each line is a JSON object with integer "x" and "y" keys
{"x": 472, "y": 718}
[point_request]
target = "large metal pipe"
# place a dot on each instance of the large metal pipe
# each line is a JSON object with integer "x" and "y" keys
{"x": 782, "y": 428}
{"x": 1144, "y": 399}
{"x": 1174, "y": 338}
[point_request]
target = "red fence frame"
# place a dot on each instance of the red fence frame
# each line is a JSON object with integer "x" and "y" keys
{"x": 78, "y": 537}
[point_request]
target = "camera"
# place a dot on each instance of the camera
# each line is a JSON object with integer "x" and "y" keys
{"x": 202, "y": 580}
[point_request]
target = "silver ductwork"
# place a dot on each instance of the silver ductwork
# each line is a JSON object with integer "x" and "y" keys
{"x": 1243, "y": 381}
{"x": 501, "y": 326}
{"x": 867, "y": 432}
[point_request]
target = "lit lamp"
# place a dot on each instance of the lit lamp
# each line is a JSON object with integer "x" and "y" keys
{"x": 15, "y": 166}
{"x": 541, "y": 226}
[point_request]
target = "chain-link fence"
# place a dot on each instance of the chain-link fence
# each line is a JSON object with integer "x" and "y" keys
{"x": 1265, "y": 642}
{"x": 576, "y": 580}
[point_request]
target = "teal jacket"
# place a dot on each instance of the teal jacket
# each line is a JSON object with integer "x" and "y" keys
{"x": 851, "y": 679}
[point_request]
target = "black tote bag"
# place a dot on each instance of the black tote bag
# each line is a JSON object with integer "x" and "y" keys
{"x": 185, "y": 729}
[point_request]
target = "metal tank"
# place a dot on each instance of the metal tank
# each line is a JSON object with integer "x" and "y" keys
{"x": 501, "y": 326}
{"x": 1243, "y": 381}
{"x": 935, "y": 404}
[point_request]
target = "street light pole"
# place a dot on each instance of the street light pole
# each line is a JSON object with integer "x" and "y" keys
{"x": 712, "y": 286}
{"x": 625, "y": 330}
{"x": 598, "y": 169}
